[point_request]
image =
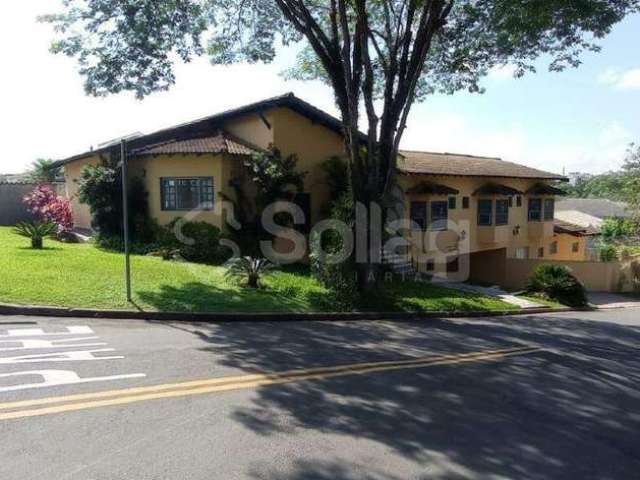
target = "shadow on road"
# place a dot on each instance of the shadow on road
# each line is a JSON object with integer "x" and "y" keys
{"x": 572, "y": 411}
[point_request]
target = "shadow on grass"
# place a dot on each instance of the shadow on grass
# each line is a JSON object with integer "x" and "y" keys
{"x": 570, "y": 411}
{"x": 200, "y": 297}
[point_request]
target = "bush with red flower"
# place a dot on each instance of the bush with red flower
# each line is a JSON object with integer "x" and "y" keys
{"x": 44, "y": 202}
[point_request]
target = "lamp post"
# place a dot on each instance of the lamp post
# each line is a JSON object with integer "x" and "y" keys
{"x": 125, "y": 217}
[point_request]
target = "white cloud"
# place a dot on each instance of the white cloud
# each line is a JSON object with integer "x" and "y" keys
{"x": 622, "y": 80}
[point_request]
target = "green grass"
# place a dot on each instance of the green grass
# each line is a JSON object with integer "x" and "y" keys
{"x": 82, "y": 276}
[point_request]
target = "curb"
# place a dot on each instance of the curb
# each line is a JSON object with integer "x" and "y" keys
{"x": 42, "y": 311}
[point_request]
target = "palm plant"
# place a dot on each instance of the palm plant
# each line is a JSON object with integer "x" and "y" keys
{"x": 43, "y": 171}
{"x": 249, "y": 268}
{"x": 36, "y": 231}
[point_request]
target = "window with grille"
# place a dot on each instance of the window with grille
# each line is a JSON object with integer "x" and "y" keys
{"x": 502, "y": 212}
{"x": 418, "y": 214}
{"x": 535, "y": 209}
{"x": 186, "y": 193}
{"x": 439, "y": 215}
{"x": 485, "y": 212}
{"x": 549, "y": 209}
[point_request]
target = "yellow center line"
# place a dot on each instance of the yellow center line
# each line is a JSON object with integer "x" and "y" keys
{"x": 199, "y": 387}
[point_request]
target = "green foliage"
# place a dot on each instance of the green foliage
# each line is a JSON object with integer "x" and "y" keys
{"x": 250, "y": 269}
{"x": 275, "y": 176}
{"x": 36, "y": 231}
{"x": 607, "y": 253}
{"x": 618, "y": 228}
{"x": 130, "y": 44}
{"x": 100, "y": 187}
{"x": 623, "y": 185}
{"x": 557, "y": 283}
{"x": 340, "y": 277}
{"x": 43, "y": 171}
{"x": 197, "y": 242}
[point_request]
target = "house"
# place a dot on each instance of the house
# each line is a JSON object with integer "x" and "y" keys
{"x": 506, "y": 210}
{"x": 573, "y": 242}
{"x": 590, "y": 212}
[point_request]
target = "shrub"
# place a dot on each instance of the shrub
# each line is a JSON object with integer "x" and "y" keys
{"x": 339, "y": 277}
{"x": 50, "y": 208}
{"x": 607, "y": 253}
{"x": 556, "y": 282}
{"x": 36, "y": 231}
{"x": 249, "y": 268}
{"x": 197, "y": 242}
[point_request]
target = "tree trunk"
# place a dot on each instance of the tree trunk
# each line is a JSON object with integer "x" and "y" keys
{"x": 36, "y": 242}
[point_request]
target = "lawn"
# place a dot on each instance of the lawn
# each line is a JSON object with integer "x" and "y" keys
{"x": 80, "y": 275}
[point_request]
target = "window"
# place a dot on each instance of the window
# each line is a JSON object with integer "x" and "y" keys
{"x": 553, "y": 248}
{"x": 535, "y": 209}
{"x": 431, "y": 265}
{"x": 485, "y": 212}
{"x": 549, "y": 209}
{"x": 522, "y": 253}
{"x": 575, "y": 247}
{"x": 465, "y": 202}
{"x": 510, "y": 202}
{"x": 439, "y": 215}
{"x": 541, "y": 252}
{"x": 186, "y": 193}
{"x": 502, "y": 212}
{"x": 418, "y": 214}
{"x": 452, "y": 203}
{"x": 518, "y": 201}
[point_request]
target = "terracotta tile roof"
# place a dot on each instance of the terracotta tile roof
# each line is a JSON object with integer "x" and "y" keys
{"x": 429, "y": 163}
{"x": 219, "y": 143}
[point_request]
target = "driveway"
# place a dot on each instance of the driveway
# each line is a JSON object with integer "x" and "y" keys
{"x": 605, "y": 300}
{"x": 375, "y": 400}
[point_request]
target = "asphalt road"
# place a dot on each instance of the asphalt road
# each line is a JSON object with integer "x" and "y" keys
{"x": 526, "y": 397}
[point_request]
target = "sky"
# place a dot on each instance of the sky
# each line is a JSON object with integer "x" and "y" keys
{"x": 578, "y": 120}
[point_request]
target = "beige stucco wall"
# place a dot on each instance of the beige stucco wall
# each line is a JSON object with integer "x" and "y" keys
{"x": 152, "y": 168}
{"x": 72, "y": 172}
{"x": 596, "y": 276}
{"x": 312, "y": 143}
{"x": 565, "y": 247}
{"x": 518, "y": 233}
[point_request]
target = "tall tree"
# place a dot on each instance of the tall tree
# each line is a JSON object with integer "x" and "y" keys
{"x": 379, "y": 56}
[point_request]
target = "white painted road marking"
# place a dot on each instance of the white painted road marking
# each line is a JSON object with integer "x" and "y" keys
{"x": 43, "y": 344}
{"x": 55, "y": 378}
{"x": 73, "y": 356}
{"x": 38, "y": 332}
{"x": 22, "y": 339}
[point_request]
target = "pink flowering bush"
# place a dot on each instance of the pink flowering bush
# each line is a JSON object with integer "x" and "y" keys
{"x": 46, "y": 204}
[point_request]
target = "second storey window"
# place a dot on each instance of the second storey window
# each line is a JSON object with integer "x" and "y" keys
{"x": 418, "y": 214}
{"x": 186, "y": 193}
{"x": 485, "y": 212}
{"x": 502, "y": 212}
{"x": 439, "y": 215}
{"x": 535, "y": 209}
{"x": 549, "y": 209}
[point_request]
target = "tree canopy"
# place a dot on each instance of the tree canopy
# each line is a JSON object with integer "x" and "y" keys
{"x": 378, "y": 56}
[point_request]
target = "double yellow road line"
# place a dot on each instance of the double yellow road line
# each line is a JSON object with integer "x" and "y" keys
{"x": 70, "y": 403}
